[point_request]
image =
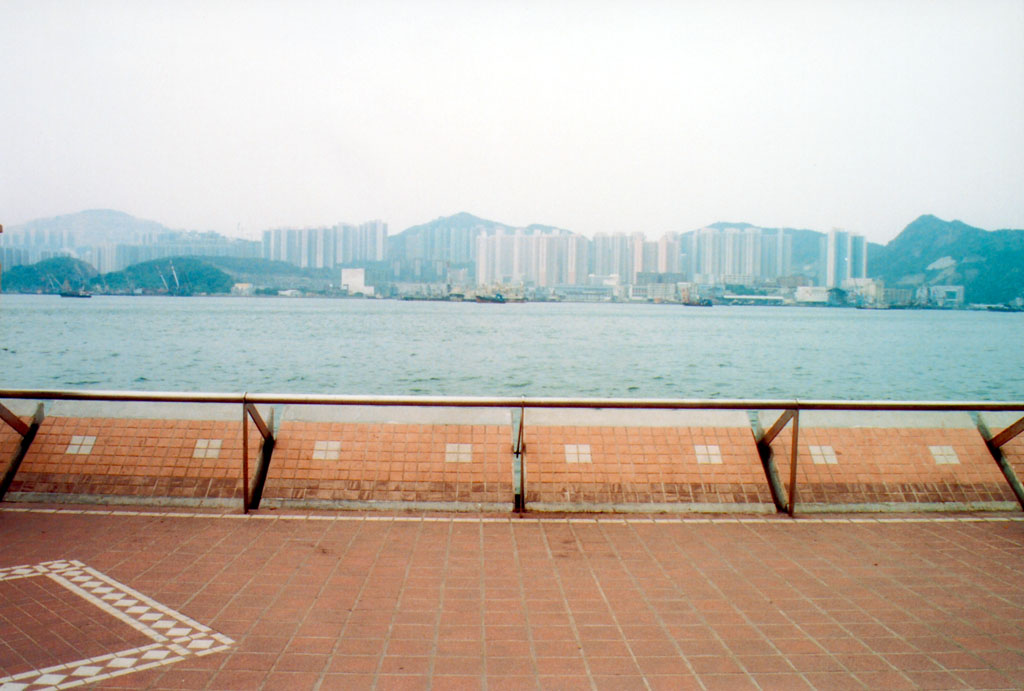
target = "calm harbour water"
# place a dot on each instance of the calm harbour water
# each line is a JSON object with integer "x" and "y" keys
{"x": 533, "y": 349}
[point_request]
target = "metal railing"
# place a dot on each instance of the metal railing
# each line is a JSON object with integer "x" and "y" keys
{"x": 791, "y": 409}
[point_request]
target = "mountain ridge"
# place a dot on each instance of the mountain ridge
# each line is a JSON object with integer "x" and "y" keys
{"x": 105, "y": 225}
{"x": 931, "y": 251}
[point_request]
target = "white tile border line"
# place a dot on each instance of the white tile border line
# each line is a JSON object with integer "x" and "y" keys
{"x": 174, "y": 635}
{"x": 610, "y": 518}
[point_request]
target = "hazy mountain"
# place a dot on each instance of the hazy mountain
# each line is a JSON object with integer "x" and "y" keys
{"x": 931, "y": 251}
{"x": 95, "y": 226}
{"x": 426, "y": 252}
{"x": 459, "y": 221}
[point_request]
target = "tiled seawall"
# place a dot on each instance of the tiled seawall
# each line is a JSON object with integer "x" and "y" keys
{"x": 463, "y": 458}
{"x": 857, "y": 458}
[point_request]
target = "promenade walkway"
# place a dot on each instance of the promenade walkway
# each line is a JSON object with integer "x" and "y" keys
{"x": 182, "y": 599}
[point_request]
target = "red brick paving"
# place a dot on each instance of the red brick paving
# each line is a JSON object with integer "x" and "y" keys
{"x": 344, "y": 601}
{"x": 44, "y": 624}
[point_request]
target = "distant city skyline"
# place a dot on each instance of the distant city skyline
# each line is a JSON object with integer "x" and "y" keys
{"x": 596, "y": 117}
{"x": 258, "y": 235}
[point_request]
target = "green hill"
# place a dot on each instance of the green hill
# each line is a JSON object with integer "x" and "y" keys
{"x": 48, "y": 276}
{"x": 174, "y": 276}
{"x": 931, "y": 251}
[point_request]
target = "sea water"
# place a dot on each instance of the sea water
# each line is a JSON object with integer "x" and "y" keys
{"x": 296, "y": 345}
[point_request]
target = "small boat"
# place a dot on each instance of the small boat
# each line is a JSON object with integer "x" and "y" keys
{"x": 75, "y": 293}
{"x": 497, "y": 297}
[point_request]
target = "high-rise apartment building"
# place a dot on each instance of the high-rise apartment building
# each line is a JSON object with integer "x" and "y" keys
{"x": 319, "y": 248}
{"x": 521, "y": 256}
{"x": 669, "y": 254}
{"x": 738, "y": 255}
{"x": 846, "y": 257}
{"x": 613, "y": 255}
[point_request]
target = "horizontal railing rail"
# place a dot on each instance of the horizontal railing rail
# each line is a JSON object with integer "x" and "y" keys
{"x": 511, "y": 401}
{"x": 790, "y": 416}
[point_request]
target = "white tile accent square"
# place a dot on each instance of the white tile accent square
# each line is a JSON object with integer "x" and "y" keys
{"x": 944, "y": 455}
{"x": 823, "y": 455}
{"x": 577, "y": 453}
{"x": 81, "y": 444}
{"x": 207, "y": 448}
{"x": 327, "y": 451}
{"x": 458, "y": 453}
{"x": 708, "y": 453}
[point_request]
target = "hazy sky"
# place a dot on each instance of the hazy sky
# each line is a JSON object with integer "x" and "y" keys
{"x": 593, "y": 116}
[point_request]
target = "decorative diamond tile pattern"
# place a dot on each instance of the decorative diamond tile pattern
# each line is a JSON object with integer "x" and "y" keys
{"x": 577, "y": 453}
{"x": 944, "y": 455}
{"x": 823, "y": 455}
{"x": 708, "y": 453}
{"x": 174, "y": 635}
{"x": 327, "y": 451}
{"x": 207, "y": 448}
{"x": 81, "y": 444}
{"x": 458, "y": 453}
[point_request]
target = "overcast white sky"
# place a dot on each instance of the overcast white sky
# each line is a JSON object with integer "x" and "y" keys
{"x": 593, "y": 116}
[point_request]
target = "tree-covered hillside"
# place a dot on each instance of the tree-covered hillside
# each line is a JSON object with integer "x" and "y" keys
{"x": 175, "y": 276}
{"x": 931, "y": 251}
{"x": 48, "y": 276}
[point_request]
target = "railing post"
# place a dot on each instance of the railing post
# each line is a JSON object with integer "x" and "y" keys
{"x": 519, "y": 504}
{"x": 519, "y": 467}
{"x": 245, "y": 456}
{"x": 794, "y": 454}
{"x": 522, "y": 458}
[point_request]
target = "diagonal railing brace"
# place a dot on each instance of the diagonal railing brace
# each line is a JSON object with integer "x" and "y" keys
{"x": 13, "y": 420}
{"x": 26, "y": 441}
{"x": 251, "y": 496}
{"x": 995, "y": 444}
{"x": 779, "y": 425}
{"x": 258, "y": 420}
{"x": 1007, "y": 434}
{"x": 764, "y": 449}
